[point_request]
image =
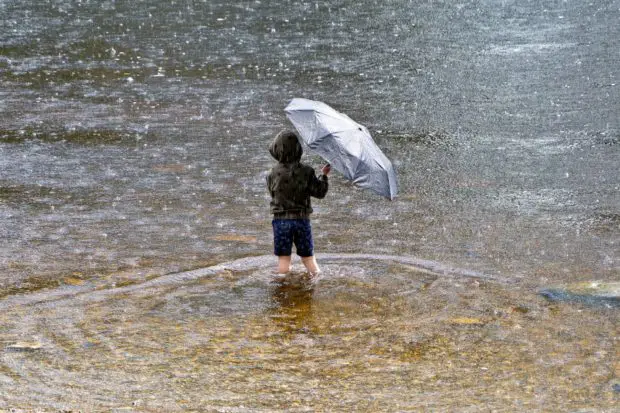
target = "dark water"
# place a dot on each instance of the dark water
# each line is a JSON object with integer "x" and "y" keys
{"x": 134, "y": 135}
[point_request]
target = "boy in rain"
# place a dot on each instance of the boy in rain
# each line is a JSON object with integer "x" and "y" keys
{"x": 291, "y": 184}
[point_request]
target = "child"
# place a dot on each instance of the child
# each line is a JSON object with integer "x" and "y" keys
{"x": 291, "y": 184}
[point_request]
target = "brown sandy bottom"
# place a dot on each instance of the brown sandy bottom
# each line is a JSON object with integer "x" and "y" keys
{"x": 372, "y": 335}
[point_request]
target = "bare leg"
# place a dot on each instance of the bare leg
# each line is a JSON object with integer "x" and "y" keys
{"x": 284, "y": 264}
{"x": 311, "y": 265}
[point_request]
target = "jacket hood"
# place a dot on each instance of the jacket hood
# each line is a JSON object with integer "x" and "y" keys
{"x": 286, "y": 148}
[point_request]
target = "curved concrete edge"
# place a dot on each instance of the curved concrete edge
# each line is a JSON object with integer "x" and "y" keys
{"x": 426, "y": 265}
{"x": 242, "y": 264}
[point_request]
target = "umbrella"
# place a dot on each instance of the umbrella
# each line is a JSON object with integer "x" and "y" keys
{"x": 345, "y": 144}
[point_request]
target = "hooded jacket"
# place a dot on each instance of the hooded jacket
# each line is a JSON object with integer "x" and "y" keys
{"x": 291, "y": 183}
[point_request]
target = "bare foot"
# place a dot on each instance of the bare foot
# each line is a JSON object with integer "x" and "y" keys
{"x": 278, "y": 277}
{"x": 314, "y": 277}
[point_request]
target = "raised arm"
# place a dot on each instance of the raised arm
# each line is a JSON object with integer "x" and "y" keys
{"x": 319, "y": 186}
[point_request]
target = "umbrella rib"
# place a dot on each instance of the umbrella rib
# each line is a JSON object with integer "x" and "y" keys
{"x": 338, "y": 116}
{"x": 330, "y": 134}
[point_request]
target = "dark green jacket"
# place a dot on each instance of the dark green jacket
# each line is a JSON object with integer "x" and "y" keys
{"x": 291, "y": 183}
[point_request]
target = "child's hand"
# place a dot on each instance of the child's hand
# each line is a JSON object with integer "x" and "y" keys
{"x": 326, "y": 169}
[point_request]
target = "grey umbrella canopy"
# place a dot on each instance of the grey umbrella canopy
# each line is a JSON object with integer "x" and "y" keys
{"x": 345, "y": 144}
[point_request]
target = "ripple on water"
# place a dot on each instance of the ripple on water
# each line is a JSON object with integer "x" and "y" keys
{"x": 412, "y": 336}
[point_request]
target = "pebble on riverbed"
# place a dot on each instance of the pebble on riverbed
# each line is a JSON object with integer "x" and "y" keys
{"x": 24, "y": 346}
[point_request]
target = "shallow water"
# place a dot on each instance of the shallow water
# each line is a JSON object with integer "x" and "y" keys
{"x": 373, "y": 334}
{"x": 133, "y": 144}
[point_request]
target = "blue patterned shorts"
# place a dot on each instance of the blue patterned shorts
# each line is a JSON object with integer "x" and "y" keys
{"x": 287, "y": 232}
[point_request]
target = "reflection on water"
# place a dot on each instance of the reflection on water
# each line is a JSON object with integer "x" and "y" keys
{"x": 293, "y": 298}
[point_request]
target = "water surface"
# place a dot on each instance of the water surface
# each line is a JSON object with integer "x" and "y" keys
{"x": 133, "y": 144}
